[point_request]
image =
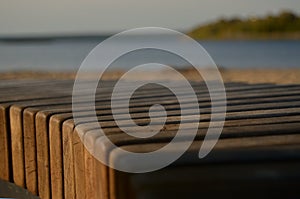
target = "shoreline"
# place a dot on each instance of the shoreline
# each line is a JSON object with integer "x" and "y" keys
{"x": 277, "y": 76}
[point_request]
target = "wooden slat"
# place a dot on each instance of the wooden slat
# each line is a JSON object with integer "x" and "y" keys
{"x": 68, "y": 161}
{"x": 56, "y": 159}
{"x": 17, "y": 146}
{"x": 78, "y": 149}
{"x": 43, "y": 160}
{"x": 30, "y": 151}
{"x": 5, "y": 147}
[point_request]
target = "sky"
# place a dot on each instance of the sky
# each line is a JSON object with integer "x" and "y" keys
{"x": 61, "y": 17}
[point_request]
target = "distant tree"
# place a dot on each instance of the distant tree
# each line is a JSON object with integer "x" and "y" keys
{"x": 287, "y": 16}
{"x": 280, "y": 26}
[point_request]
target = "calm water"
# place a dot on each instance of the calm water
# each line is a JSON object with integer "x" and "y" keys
{"x": 58, "y": 55}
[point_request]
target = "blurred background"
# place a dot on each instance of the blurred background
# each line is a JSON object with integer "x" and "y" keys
{"x": 57, "y": 35}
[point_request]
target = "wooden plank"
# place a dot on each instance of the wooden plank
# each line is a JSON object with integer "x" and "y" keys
{"x": 95, "y": 184}
{"x": 30, "y": 151}
{"x": 56, "y": 159}
{"x": 78, "y": 149}
{"x": 5, "y": 147}
{"x": 90, "y": 178}
{"x": 17, "y": 146}
{"x": 99, "y": 188}
{"x": 43, "y": 156}
{"x": 68, "y": 161}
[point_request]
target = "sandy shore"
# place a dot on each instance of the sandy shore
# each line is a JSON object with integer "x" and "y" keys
{"x": 278, "y": 76}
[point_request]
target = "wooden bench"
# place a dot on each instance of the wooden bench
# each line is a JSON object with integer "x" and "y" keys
{"x": 257, "y": 154}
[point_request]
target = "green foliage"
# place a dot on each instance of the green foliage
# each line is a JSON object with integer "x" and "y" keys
{"x": 284, "y": 26}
